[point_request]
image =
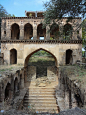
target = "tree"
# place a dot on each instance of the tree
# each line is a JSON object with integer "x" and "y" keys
{"x": 56, "y": 9}
{"x": 4, "y": 13}
{"x": 84, "y": 31}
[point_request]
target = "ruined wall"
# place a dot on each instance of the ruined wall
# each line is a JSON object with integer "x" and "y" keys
{"x": 1, "y": 59}
{"x": 57, "y": 50}
{"x": 69, "y": 94}
{"x": 31, "y": 75}
{"x": 8, "y": 22}
{"x": 52, "y": 73}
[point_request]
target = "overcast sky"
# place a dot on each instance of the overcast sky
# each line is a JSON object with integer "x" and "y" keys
{"x": 18, "y": 7}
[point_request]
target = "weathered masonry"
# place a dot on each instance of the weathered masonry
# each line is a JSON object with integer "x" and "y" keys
{"x": 21, "y": 37}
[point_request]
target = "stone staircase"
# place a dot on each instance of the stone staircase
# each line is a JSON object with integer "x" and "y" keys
{"x": 41, "y": 99}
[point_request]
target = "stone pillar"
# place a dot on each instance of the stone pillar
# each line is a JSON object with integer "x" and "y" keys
{"x": 66, "y": 99}
{"x": 61, "y": 37}
{"x": 35, "y": 31}
{"x": 21, "y": 32}
{"x": 8, "y": 32}
{"x": 22, "y": 80}
{"x": 12, "y": 88}
{"x": 47, "y": 33}
{"x": 25, "y": 75}
{"x": 74, "y": 102}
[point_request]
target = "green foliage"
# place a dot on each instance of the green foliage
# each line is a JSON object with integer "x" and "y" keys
{"x": 84, "y": 31}
{"x": 41, "y": 53}
{"x": 56, "y": 9}
{"x": 4, "y": 13}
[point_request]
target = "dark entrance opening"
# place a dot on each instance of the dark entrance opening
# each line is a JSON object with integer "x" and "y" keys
{"x": 16, "y": 85}
{"x": 15, "y": 31}
{"x": 7, "y": 91}
{"x": 69, "y": 56}
{"x": 28, "y": 31}
{"x": 41, "y": 32}
{"x": 13, "y": 56}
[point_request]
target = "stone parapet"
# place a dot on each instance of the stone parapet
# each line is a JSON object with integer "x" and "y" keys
{"x": 43, "y": 41}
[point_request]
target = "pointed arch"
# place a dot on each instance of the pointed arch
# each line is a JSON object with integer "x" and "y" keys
{"x": 41, "y": 32}
{"x": 28, "y": 31}
{"x": 69, "y": 58}
{"x": 27, "y": 58}
{"x": 13, "y": 56}
{"x": 7, "y": 91}
{"x": 15, "y": 31}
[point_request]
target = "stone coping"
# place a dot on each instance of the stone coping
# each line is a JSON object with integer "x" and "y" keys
{"x": 43, "y": 41}
{"x": 34, "y": 17}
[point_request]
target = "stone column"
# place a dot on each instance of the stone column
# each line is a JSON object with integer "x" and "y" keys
{"x": 12, "y": 88}
{"x": 22, "y": 80}
{"x": 74, "y": 102}
{"x": 8, "y": 32}
{"x": 21, "y": 32}
{"x": 61, "y": 37}
{"x": 35, "y": 31}
{"x": 47, "y": 33}
{"x": 66, "y": 99}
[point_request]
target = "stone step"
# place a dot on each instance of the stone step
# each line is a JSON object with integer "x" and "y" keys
{"x": 42, "y": 93}
{"x": 52, "y": 111}
{"x": 43, "y": 108}
{"x": 40, "y": 101}
{"x": 41, "y": 89}
{"x": 39, "y": 96}
{"x": 41, "y": 104}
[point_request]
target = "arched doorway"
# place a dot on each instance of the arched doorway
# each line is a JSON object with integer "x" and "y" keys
{"x": 13, "y": 56}
{"x": 69, "y": 58}
{"x": 40, "y": 63}
{"x": 7, "y": 91}
{"x": 15, "y": 32}
{"x": 28, "y": 31}
{"x": 41, "y": 32}
{"x": 68, "y": 31}
{"x": 42, "y": 79}
{"x": 54, "y": 31}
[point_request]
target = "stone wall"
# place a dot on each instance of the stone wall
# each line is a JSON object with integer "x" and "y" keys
{"x": 24, "y": 51}
{"x": 69, "y": 94}
{"x": 52, "y": 73}
{"x": 31, "y": 75}
{"x": 7, "y": 24}
{"x": 1, "y": 59}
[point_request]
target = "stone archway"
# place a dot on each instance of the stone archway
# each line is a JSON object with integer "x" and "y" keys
{"x": 15, "y": 31}
{"x": 28, "y": 56}
{"x": 8, "y": 91}
{"x": 54, "y": 31}
{"x": 69, "y": 58}
{"x": 13, "y": 56}
{"x": 28, "y": 31}
{"x": 68, "y": 31}
{"x": 41, "y": 32}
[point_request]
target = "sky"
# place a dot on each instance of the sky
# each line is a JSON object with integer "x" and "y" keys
{"x": 18, "y": 7}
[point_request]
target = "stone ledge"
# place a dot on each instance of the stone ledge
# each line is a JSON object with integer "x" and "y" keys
{"x": 43, "y": 41}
